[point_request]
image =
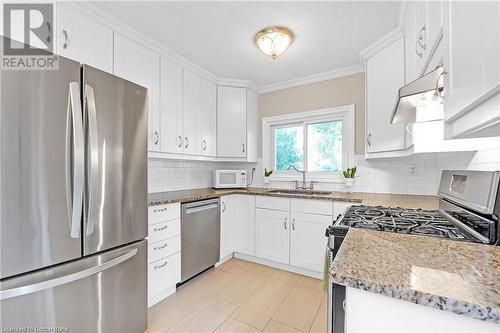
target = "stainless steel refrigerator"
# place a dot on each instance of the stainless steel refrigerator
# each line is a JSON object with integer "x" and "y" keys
{"x": 73, "y": 200}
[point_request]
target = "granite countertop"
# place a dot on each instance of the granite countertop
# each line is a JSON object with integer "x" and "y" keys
{"x": 369, "y": 199}
{"x": 455, "y": 276}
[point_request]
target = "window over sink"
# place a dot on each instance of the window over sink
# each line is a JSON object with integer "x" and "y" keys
{"x": 321, "y": 142}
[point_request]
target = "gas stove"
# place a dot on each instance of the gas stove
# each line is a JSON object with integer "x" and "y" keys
{"x": 401, "y": 220}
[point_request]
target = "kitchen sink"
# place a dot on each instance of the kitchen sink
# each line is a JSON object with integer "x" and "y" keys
{"x": 300, "y": 192}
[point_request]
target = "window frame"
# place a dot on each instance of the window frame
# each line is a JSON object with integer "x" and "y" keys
{"x": 345, "y": 113}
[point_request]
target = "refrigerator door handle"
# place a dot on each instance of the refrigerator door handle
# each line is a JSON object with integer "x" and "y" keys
{"x": 93, "y": 160}
{"x": 75, "y": 167}
{"x": 48, "y": 284}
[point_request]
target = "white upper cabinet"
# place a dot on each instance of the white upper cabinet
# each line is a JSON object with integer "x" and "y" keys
{"x": 472, "y": 62}
{"x": 253, "y": 128}
{"x": 231, "y": 122}
{"x": 171, "y": 106}
{"x": 140, "y": 65}
{"x": 385, "y": 74}
{"x": 208, "y": 118}
{"x": 191, "y": 112}
{"x": 244, "y": 224}
{"x": 84, "y": 40}
{"x": 422, "y": 27}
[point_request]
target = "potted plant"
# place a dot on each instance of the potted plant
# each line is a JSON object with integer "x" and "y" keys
{"x": 267, "y": 176}
{"x": 349, "y": 176}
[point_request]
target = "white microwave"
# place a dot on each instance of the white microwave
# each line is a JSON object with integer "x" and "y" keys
{"x": 230, "y": 178}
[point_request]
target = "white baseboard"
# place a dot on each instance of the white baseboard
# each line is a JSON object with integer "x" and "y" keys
{"x": 223, "y": 260}
{"x": 160, "y": 296}
{"x": 285, "y": 267}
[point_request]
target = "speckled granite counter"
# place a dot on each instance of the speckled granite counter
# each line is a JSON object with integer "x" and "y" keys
{"x": 455, "y": 276}
{"x": 369, "y": 199}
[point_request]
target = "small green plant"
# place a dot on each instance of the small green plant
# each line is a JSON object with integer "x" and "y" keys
{"x": 268, "y": 173}
{"x": 350, "y": 172}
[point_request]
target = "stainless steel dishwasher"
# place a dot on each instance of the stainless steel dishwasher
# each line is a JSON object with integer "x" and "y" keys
{"x": 200, "y": 237}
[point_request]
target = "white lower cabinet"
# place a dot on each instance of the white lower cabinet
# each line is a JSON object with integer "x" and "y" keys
{"x": 227, "y": 215}
{"x": 272, "y": 238}
{"x": 308, "y": 241}
{"x": 244, "y": 224}
{"x": 164, "y": 251}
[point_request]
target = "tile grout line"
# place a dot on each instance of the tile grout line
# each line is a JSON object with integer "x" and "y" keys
{"x": 317, "y": 313}
{"x": 284, "y": 298}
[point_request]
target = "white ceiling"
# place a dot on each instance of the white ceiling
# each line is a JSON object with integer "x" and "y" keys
{"x": 218, "y": 36}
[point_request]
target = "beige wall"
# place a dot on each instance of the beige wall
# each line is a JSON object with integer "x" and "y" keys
{"x": 320, "y": 95}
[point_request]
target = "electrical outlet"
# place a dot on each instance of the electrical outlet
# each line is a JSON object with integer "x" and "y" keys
{"x": 413, "y": 169}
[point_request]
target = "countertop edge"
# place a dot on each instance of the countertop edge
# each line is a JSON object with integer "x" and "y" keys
{"x": 249, "y": 192}
{"x": 437, "y": 302}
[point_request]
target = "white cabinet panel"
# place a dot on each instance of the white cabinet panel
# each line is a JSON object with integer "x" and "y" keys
{"x": 275, "y": 203}
{"x": 323, "y": 207}
{"x": 209, "y": 118}
{"x": 384, "y": 76}
{"x": 163, "y": 248}
{"x": 339, "y": 207}
{"x": 164, "y": 274}
{"x": 244, "y": 227}
{"x": 163, "y": 213}
{"x": 160, "y": 231}
{"x": 140, "y": 65}
{"x": 227, "y": 215}
{"x": 253, "y": 128}
{"x": 82, "y": 39}
{"x": 271, "y": 235}
{"x": 472, "y": 41}
{"x": 308, "y": 241}
{"x": 231, "y": 122}
{"x": 171, "y": 106}
{"x": 191, "y": 112}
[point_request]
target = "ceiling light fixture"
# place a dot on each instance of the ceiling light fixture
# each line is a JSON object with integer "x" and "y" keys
{"x": 273, "y": 41}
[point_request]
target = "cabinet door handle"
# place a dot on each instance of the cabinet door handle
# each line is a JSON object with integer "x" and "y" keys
{"x": 187, "y": 142}
{"x": 157, "y": 138}
{"x": 204, "y": 145}
{"x": 369, "y": 139}
{"x": 420, "y": 42}
{"x": 161, "y": 228}
{"x": 243, "y": 147}
{"x": 160, "y": 210}
{"x": 293, "y": 224}
{"x": 66, "y": 41}
{"x": 284, "y": 223}
{"x": 160, "y": 247}
{"x": 180, "y": 141}
{"x": 161, "y": 266}
{"x": 223, "y": 207}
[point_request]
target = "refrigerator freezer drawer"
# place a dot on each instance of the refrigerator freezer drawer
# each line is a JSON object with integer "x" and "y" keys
{"x": 160, "y": 231}
{"x": 164, "y": 248}
{"x": 163, "y": 213}
{"x": 101, "y": 293}
{"x": 163, "y": 274}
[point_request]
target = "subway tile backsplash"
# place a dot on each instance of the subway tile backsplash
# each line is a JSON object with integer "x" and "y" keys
{"x": 391, "y": 175}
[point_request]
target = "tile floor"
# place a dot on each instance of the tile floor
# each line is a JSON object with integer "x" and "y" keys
{"x": 240, "y": 296}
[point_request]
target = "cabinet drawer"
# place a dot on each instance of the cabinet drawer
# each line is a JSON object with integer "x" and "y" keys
{"x": 311, "y": 206}
{"x": 164, "y": 230}
{"x": 163, "y": 274}
{"x": 164, "y": 248}
{"x": 163, "y": 213}
{"x": 272, "y": 203}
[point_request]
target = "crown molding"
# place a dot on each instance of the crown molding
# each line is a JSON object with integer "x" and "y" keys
{"x": 121, "y": 27}
{"x": 381, "y": 43}
{"x": 323, "y": 76}
{"x": 238, "y": 83}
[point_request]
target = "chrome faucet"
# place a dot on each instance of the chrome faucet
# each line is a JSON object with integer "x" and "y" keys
{"x": 304, "y": 183}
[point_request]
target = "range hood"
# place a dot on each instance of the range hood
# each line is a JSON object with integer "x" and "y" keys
{"x": 423, "y": 92}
